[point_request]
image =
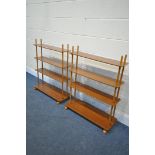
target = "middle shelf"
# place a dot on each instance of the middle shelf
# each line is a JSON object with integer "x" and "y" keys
{"x": 100, "y": 78}
{"x": 53, "y": 61}
{"x": 52, "y": 74}
{"x": 97, "y": 94}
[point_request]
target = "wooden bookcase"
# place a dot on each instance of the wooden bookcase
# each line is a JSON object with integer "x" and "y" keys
{"x": 57, "y": 94}
{"x": 91, "y": 113}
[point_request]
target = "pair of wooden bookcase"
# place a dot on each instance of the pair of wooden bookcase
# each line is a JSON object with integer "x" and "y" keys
{"x": 100, "y": 118}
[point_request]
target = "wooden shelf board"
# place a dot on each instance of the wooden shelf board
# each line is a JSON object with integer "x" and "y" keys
{"x": 98, "y": 58}
{"x": 52, "y": 91}
{"x": 52, "y": 74}
{"x": 100, "y": 78}
{"x": 104, "y": 97}
{"x": 53, "y": 48}
{"x": 91, "y": 113}
{"x": 53, "y": 61}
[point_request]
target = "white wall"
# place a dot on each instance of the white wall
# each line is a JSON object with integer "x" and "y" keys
{"x": 98, "y": 26}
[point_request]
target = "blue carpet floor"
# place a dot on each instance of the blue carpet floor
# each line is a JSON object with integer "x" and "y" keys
{"x": 51, "y": 130}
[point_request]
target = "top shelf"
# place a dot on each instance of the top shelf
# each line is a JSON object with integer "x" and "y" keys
{"x": 100, "y": 59}
{"x": 54, "y": 48}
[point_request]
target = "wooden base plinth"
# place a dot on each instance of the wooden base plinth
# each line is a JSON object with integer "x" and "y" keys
{"x": 91, "y": 113}
{"x": 53, "y": 92}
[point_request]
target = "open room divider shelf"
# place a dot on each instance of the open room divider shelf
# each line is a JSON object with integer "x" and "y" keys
{"x": 93, "y": 114}
{"x": 58, "y": 94}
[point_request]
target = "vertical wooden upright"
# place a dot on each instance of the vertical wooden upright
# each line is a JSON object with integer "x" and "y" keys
{"x": 62, "y": 69}
{"x": 37, "y": 60}
{"x": 77, "y": 52}
{"x": 67, "y": 66}
{"x": 41, "y": 60}
{"x": 71, "y": 71}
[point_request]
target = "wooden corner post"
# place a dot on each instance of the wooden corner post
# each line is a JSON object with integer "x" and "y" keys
{"x": 71, "y": 72}
{"x": 113, "y": 108}
{"x": 119, "y": 77}
{"x": 77, "y": 52}
{"x": 67, "y": 66}
{"x": 120, "y": 80}
{"x": 62, "y": 67}
{"x": 37, "y": 60}
{"x": 41, "y": 60}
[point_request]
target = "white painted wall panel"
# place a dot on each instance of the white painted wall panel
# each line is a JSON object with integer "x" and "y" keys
{"x": 36, "y": 10}
{"x": 90, "y": 44}
{"x": 32, "y": 34}
{"x": 93, "y": 45}
{"x": 35, "y": 1}
{"x": 110, "y": 29}
{"x": 80, "y": 8}
{"x": 30, "y": 61}
{"x": 102, "y": 8}
{"x": 45, "y": 1}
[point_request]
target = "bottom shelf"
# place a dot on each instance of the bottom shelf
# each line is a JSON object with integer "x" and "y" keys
{"x": 52, "y": 91}
{"x": 91, "y": 113}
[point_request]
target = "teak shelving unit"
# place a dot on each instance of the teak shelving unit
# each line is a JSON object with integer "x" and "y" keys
{"x": 91, "y": 113}
{"x": 57, "y": 94}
